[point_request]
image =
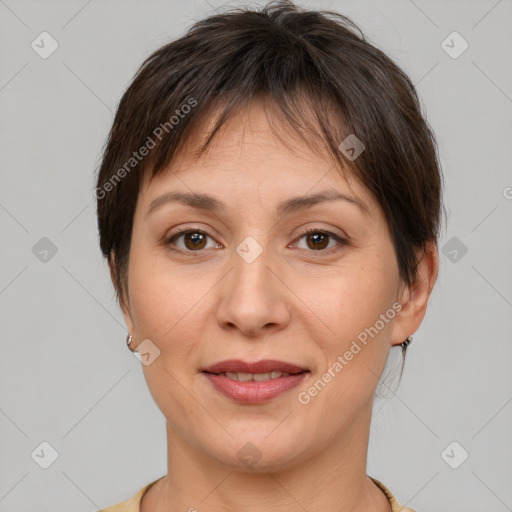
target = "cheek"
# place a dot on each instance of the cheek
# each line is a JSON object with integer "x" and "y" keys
{"x": 160, "y": 295}
{"x": 354, "y": 352}
{"x": 349, "y": 300}
{"x": 169, "y": 308}
{"x": 163, "y": 310}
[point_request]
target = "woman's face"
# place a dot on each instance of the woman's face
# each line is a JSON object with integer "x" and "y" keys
{"x": 247, "y": 284}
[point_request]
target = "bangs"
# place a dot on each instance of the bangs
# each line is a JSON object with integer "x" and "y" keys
{"x": 312, "y": 120}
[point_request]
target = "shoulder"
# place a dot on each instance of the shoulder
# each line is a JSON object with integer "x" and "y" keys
{"x": 132, "y": 504}
{"x": 395, "y": 507}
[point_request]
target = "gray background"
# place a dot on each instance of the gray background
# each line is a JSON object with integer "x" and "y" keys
{"x": 66, "y": 376}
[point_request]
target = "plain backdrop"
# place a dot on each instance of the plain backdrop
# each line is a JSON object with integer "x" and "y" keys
{"x": 66, "y": 376}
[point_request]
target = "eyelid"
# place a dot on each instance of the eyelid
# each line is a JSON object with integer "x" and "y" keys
{"x": 341, "y": 240}
{"x": 183, "y": 230}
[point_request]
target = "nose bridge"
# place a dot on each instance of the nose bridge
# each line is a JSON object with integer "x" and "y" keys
{"x": 251, "y": 267}
{"x": 252, "y": 297}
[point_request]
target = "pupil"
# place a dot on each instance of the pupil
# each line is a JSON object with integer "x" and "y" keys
{"x": 195, "y": 238}
{"x": 316, "y": 240}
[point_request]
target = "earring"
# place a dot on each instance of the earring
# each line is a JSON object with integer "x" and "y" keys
{"x": 129, "y": 339}
{"x": 406, "y": 342}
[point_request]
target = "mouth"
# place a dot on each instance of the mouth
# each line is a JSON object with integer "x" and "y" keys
{"x": 258, "y": 377}
{"x": 254, "y": 368}
{"x": 254, "y": 382}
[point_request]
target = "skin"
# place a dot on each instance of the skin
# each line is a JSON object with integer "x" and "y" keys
{"x": 296, "y": 302}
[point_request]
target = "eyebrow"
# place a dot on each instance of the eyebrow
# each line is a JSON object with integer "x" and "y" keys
{"x": 209, "y": 203}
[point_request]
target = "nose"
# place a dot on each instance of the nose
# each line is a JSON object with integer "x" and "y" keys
{"x": 253, "y": 297}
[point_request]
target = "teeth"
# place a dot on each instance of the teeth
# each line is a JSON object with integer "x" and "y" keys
{"x": 244, "y": 377}
{"x": 262, "y": 376}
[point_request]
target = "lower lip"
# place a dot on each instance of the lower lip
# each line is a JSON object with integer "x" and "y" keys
{"x": 254, "y": 392}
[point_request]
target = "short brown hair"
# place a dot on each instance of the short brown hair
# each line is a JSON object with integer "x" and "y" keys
{"x": 292, "y": 58}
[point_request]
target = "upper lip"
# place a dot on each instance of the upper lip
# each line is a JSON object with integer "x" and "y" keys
{"x": 264, "y": 366}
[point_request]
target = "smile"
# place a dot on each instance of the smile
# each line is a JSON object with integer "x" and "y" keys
{"x": 244, "y": 377}
{"x": 254, "y": 382}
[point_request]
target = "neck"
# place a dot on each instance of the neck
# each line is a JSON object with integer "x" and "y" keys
{"x": 333, "y": 479}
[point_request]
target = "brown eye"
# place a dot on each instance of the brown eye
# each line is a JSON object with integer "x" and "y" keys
{"x": 317, "y": 241}
{"x": 320, "y": 241}
{"x": 193, "y": 240}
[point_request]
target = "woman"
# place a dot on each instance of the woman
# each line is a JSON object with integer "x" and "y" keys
{"x": 269, "y": 203}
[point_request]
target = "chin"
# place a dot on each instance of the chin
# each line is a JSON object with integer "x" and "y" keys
{"x": 257, "y": 453}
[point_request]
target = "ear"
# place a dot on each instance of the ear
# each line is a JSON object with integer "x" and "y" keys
{"x": 414, "y": 299}
{"x": 124, "y": 301}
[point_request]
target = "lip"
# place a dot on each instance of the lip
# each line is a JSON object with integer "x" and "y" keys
{"x": 254, "y": 392}
{"x": 264, "y": 366}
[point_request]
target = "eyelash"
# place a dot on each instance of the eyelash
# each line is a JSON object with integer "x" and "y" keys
{"x": 341, "y": 241}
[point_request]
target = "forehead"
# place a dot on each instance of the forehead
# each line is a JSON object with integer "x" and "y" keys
{"x": 255, "y": 145}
